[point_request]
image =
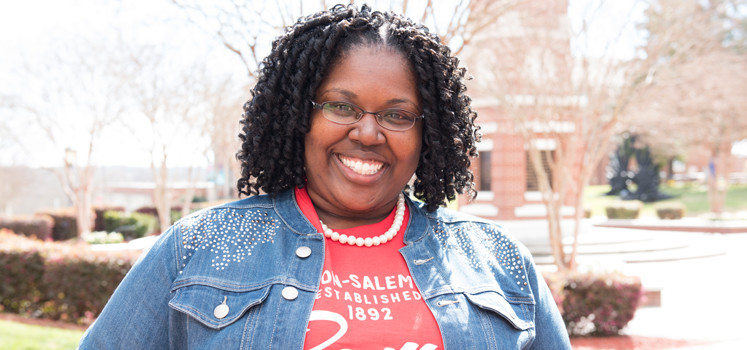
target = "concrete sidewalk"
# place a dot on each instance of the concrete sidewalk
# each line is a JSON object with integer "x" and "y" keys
{"x": 703, "y": 299}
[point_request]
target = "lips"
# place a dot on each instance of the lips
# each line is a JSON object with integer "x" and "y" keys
{"x": 361, "y": 166}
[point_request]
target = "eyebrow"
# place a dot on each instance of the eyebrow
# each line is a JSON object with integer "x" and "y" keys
{"x": 351, "y": 95}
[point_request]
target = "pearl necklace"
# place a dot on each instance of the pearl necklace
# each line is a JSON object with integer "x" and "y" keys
{"x": 399, "y": 216}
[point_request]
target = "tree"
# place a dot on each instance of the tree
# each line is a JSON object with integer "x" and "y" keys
{"x": 565, "y": 96}
{"x": 696, "y": 101}
{"x": 704, "y": 108}
{"x": 246, "y": 27}
{"x": 223, "y": 99}
{"x": 564, "y": 107}
{"x": 166, "y": 101}
{"x": 73, "y": 79}
{"x": 115, "y": 68}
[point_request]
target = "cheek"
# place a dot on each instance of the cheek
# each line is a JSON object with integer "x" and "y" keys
{"x": 311, "y": 149}
{"x": 411, "y": 148}
{"x": 315, "y": 138}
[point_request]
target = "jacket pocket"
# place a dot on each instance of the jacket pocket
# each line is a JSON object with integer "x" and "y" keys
{"x": 216, "y": 307}
{"x": 519, "y": 313}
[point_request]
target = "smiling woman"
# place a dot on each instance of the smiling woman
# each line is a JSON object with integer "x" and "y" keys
{"x": 362, "y": 158}
{"x": 350, "y": 107}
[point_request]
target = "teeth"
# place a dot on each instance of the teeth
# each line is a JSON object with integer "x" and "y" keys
{"x": 369, "y": 167}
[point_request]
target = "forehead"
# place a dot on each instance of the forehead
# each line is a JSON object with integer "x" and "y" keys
{"x": 371, "y": 71}
{"x": 379, "y": 49}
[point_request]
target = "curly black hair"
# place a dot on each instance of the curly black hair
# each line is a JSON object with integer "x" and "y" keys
{"x": 276, "y": 119}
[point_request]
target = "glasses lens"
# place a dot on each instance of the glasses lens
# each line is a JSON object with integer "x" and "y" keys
{"x": 340, "y": 112}
{"x": 397, "y": 119}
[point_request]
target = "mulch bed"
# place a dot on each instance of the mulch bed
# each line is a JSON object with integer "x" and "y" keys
{"x": 41, "y": 322}
{"x": 628, "y": 342}
{"x": 623, "y": 342}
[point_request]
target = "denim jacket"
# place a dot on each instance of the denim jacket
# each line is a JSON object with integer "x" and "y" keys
{"x": 245, "y": 275}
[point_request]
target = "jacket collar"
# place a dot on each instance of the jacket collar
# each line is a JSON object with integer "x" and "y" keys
{"x": 288, "y": 210}
{"x": 418, "y": 225}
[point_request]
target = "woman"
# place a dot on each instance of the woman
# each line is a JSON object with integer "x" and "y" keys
{"x": 348, "y": 106}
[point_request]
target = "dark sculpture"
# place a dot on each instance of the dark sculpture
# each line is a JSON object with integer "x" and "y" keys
{"x": 617, "y": 170}
{"x": 647, "y": 177}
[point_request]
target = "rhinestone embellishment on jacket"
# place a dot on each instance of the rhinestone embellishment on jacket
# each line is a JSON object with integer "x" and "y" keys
{"x": 229, "y": 235}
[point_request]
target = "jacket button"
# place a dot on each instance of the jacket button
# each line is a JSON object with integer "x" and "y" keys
{"x": 290, "y": 293}
{"x": 303, "y": 252}
{"x": 221, "y": 310}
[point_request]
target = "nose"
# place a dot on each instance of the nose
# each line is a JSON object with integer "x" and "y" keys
{"x": 367, "y": 131}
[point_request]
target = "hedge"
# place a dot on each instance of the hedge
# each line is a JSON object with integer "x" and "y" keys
{"x": 103, "y": 237}
{"x": 21, "y": 275}
{"x": 65, "y": 223}
{"x": 595, "y": 304}
{"x": 58, "y": 280}
{"x": 175, "y": 215}
{"x": 69, "y": 281}
{"x": 670, "y": 210}
{"x": 134, "y": 225}
{"x": 624, "y": 209}
{"x": 98, "y": 223}
{"x": 39, "y": 226}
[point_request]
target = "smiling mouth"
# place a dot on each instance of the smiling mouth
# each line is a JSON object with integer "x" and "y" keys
{"x": 362, "y": 167}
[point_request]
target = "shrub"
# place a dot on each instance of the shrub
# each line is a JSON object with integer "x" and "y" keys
{"x": 87, "y": 284}
{"x": 58, "y": 280}
{"x": 103, "y": 237}
{"x": 39, "y": 226}
{"x": 624, "y": 210}
{"x": 147, "y": 210}
{"x": 176, "y": 214}
{"x": 595, "y": 304}
{"x": 134, "y": 225}
{"x": 98, "y": 223}
{"x": 20, "y": 276}
{"x": 65, "y": 223}
{"x": 670, "y": 210}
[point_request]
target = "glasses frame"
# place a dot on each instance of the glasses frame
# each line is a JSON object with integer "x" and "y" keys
{"x": 359, "y": 115}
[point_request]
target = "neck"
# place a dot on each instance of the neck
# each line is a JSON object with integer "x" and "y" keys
{"x": 337, "y": 221}
{"x": 348, "y": 219}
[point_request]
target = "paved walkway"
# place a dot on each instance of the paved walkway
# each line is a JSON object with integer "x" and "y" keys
{"x": 701, "y": 276}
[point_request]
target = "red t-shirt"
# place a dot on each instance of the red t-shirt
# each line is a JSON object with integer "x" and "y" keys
{"x": 367, "y": 298}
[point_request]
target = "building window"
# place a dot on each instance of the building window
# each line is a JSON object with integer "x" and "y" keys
{"x": 484, "y": 180}
{"x": 532, "y": 184}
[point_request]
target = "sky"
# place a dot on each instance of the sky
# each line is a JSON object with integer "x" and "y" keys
{"x": 33, "y": 29}
{"x": 40, "y": 29}
{"x": 605, "y": 20}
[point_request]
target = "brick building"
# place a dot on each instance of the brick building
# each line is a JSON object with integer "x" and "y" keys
{"x": 532, "y": 42}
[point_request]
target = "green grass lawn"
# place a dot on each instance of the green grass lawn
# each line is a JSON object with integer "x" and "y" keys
{"x": 19, "y": 336}
{"x": 693, "y": 197}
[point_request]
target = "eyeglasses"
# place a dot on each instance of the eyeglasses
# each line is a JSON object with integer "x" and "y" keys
{"x": 347, "y": 113}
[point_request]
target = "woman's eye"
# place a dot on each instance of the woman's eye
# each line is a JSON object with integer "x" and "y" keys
{"x": 342, "y": 107}
{"x": 397, "y": 116}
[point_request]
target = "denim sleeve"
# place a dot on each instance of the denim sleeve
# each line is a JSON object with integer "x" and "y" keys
{"x": 549, "y": 326}
{"x": 137, "y": 314}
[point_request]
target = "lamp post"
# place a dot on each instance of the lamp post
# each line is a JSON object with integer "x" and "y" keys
{"x": 70, "y": 157}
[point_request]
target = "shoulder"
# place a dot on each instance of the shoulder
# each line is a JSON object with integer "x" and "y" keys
{"x": 455, "y": 221}
{"x": 447, "y": 215}
{"x": 445, "y": 219}
{"x": 476, "y": 235}
{"x": 250, "y": 216}
{"x": 254, "y": 204}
